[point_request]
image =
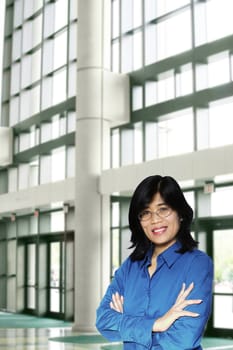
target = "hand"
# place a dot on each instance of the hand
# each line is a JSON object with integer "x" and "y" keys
{"x": 177, "y": 310}
{"x": 117, "y": 302}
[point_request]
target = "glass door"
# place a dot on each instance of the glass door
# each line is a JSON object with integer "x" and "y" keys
{"x": 216, "y": 239}
{"x": 30, "y": 287}
{"x": 56, "y": 277}
{"x": 223, "y": 279}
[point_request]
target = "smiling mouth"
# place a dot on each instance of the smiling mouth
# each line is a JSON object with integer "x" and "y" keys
{"x": 158, "y": 231}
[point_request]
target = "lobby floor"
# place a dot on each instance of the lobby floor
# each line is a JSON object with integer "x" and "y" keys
{"x": 65, "y": 339}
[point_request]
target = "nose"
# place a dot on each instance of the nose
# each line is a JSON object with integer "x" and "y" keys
{"x": 155, "y": 217}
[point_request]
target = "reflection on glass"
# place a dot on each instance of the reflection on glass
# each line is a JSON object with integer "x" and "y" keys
{"x": 54, "y": 282}
{"x": 223, "y": 260}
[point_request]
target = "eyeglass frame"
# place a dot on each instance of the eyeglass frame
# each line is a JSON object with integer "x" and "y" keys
{"x": 155, "y": 212}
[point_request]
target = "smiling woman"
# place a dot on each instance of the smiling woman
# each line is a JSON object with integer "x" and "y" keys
{"x": 160, "y": 297}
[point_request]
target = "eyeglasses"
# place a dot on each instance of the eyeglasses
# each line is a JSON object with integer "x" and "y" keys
{"x": 162, "y": 212}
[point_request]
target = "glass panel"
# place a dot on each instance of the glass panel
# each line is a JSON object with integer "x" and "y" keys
{"x": 166, "y": 86}
{"x": 168, "y": 31}
{"x": 58, "y": 162}
{"x": 223, "y": 276}
{"x": 60, "y": 50}
{"x": 137, "y": 50}
{"x": 115, "y": 57}
{"x": 57, "y": 221}
{"x": 218, "y": 69}
{"x": 150, "y": 93}
{"x": 138, "y": 142}
{"x": 115, "y": 249}
{"x": 221, "y": 133}
{"x": 172, "y": 130}
{"x": 61, "y": 14}
{"x": 115, "y": 214}
{"x": 137, "y": 98}
{"x": 115, "y": 140}
{"x": 115, "y": 19}
{"x": 59, "y": 86}
{"x": 127, "y": 147}
{"x": 31, "y": 275}
{"x": 151, "y": 140}
{"x": 220, "y": 201}
{"x": 165, "y": 6}
{"x": 215, "y": 9}
{"x": 126, "y": 53}
{"x": 125, "y": 244}
{"x": 54, "y": 277}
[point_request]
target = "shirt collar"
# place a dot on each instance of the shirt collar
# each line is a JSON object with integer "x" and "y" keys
{"x": 170, "y": 255}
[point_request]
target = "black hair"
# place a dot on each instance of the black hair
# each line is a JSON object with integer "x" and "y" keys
{"x": 173, "y": 196}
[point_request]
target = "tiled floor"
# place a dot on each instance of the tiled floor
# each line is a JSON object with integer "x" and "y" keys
{"x": 41, "y": 339}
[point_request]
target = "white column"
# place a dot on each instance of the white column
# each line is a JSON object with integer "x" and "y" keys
{"x": 91, "y": 126}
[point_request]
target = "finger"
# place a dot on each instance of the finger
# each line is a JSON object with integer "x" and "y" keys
{"x": 190, "y": 302}
{"x": 181, "y": 292}
{"x": 189, "y": 313}
{"x": 117, "y": 302}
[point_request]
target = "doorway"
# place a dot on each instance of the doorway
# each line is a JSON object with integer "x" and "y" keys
{"x": 49, "y": 276}
{"x": 216, "y": 238}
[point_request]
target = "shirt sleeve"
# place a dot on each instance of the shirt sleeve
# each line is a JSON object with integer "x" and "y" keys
{"x": 116, "y": 326}
{"x": 186, "y": 332}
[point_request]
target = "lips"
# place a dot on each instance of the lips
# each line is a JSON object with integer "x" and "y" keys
{"x": 159, "y": 230}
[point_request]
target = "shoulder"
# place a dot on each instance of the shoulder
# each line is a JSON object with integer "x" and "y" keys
{"x": 198, "y": 260}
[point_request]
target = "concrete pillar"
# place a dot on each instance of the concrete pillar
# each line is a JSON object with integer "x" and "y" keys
{"x": 92, "y": 129}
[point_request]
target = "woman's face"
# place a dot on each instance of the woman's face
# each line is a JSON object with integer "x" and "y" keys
{"x": 160, "y": 230}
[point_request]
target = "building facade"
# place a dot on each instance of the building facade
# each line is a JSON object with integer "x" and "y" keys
{"x": 97, "y": 95}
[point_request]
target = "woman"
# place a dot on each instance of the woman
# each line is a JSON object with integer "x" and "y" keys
{"x": 160, "y": 297}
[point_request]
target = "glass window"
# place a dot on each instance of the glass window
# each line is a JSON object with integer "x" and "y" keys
{"x": 115, "y": 250}
{"x": 220, "y": 10}
{"x": 48, "y": 56}
{"x": 70, "y": 162}
{"x": 127, "y": 146}
{"x": 126, "y": 54}
{"x": 115, "y": 143}
{"x": 18, "y": 13}
{"x": 151, "y": 140}
{"x": 59, "y": 86}
{"x": 220, "y": 201}
{"x": 72, "y": 42}
{"x": 49, "y": 19}
{"x": 166, "y": 86}
{"x": 151, "y": 50}
{"x": 23, "y": 172}
{"x": 221, "y": 133}
{"x": 137, "y": 50}
{"x": 57, "y": 221}
{"x": 171, "y": 130}
{"x": 15, "y": 78}
{"x": 16, "y": 47}
{"x": 177, "y": 26}
{"x": 14, "y": 111}
{"x": 138, "y": 142}
{"x": 24, "y": 141}
{"x": 72, "y": 79}
{"x": 61, "y": 14}
{"x": 73, "y": 10}
{"x": 137, "y": 97}
{"x": 116, "y": 57}
{"x": 115, "y": 19}
{"x": 115, "y": 218}
{"x": 126, "y": 15}
{"x": 71, "y": 121}
{"x": 46, "y": 132}
{"x": 58, "y": 164}
{"x": 218, "y": 69}
{"x": 46, "y": 98}
{"x": 150, "y": 93}
{"x": 165, "y": 6}
{"x": 184, "y": 81}
{"x": 60, "y": 50}
{"x": 45, "y": 169}
{"x": 12, "y": 179}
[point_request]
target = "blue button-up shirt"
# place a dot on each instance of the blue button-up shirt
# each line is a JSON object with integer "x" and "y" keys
{"x": 147, "y": 298}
